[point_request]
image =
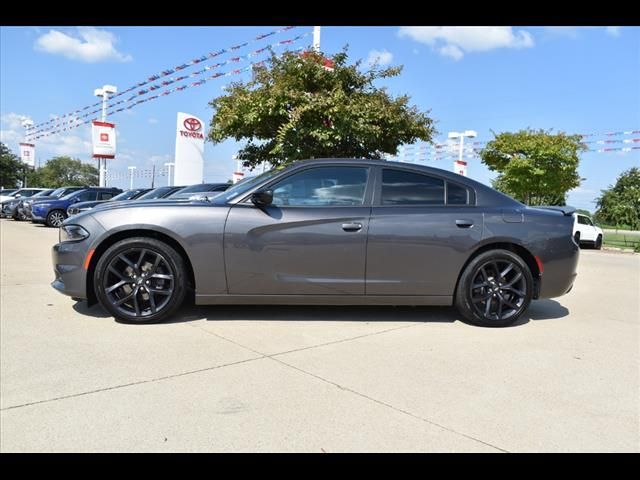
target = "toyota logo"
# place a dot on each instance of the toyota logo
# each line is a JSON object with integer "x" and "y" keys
{"x": 192, "y": 124}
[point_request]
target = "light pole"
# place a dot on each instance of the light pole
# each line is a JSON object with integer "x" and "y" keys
{"x": 460, "y": 166}
{"x": 316, "y": 38}
{"x": 104, "y": 93}
{"x": 169, "y": 165}
{"x": 27, "y": 123}
{"x": 131, "y": 169}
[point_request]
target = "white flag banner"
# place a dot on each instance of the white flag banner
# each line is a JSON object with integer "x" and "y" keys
{"x": 28, "y": 153}
{"x": 189, "y": 158}
{"x": 104, "y": 139}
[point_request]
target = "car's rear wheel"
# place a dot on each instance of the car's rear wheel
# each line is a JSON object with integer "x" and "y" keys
{"x": 55, "y": 218}
{"x": 598, "y": 244}
{"x": 495, "y": 289}
{"x": 140, "y": 280}
{"x": 577, "y": 238}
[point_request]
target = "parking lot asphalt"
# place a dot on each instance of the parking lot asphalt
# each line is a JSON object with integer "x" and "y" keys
{"x": 566, "y": 378}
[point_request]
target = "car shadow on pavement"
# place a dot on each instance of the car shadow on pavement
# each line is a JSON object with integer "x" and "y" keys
{"x": 538, "y": 310}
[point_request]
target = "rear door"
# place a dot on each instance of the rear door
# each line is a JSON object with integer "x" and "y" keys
{"x": 421, "y": 231}
{"x": 310, "y": 241}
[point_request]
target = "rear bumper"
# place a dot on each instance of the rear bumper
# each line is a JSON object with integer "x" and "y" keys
{"x": 560, "y": 272}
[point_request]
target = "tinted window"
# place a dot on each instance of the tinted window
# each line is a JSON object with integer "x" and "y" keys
{"x": 85, "y": 196}
{"x": 157, "y": 193}
{"x": 408, "y": 188}
{"x": 582, "y": 220}
{"x": 322, "y": 186}
{"x": 105, "y": 195}
{"x": 456, "y": 194}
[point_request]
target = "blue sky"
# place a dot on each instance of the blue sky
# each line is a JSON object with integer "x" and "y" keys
{"x": 578, "y": 80}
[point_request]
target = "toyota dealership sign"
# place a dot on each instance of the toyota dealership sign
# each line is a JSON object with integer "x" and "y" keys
{"x": 104, "y": 139}
{"x": 189, "y": 160}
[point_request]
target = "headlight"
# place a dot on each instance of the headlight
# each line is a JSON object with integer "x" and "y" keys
{"x": 72, "y": 233}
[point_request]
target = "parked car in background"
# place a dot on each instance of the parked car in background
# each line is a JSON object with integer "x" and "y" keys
{"x": 323, "y": 232}
{"x": 80, "y": 207}
{"x": 20, "y": 213}
{"x": 56, "y": 194}
{"x": 586, "y": 232}
{"x": 160, "y": 192}
{"x": 6, "y": 192}
{"x": 200, "y": 190}
{"x": 10, "y": 202}
{"x": 53, "y": 212}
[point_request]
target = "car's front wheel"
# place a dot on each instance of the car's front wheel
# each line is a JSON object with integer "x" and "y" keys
{"x": 55, "y": 218}
{"x": 495, "y": 289}
{"x": 598, "y": 245}
{"x": 140, "y": 280}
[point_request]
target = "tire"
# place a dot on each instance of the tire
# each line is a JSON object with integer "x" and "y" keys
{"x": 479, "y": 285}
{"x": 577, "y": 238}
{"x": 119, "y": 265}
{"x": 598, "y": 244}
{"x": 55, "y": 218}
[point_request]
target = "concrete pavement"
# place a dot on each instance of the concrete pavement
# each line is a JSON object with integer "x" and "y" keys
{"x": 313, "y": 379}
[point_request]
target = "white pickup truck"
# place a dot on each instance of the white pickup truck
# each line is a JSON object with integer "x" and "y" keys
{"x": 585, "y": 232}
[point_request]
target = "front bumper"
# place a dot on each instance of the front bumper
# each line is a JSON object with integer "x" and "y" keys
{"x": 68, "y": 267}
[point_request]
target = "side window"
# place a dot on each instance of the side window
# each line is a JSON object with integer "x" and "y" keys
{"x": 457, "y": 194}
{"x": 105, "y": 195}
{"x": 587, "y": 221}
{"x": 322, "y": 186}
{"x": 407, "y": 188}
{"x": 581, "y": 220}
{"x": 87, "y": 196}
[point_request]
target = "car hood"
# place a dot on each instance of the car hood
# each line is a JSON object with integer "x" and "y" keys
{"x": 44, "y": 199}
{"x": 148, "y": 203}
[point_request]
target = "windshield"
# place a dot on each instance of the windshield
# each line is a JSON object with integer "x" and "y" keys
{"x": 73, "y": 194}
{"x": 201, "y": 187}
{"x": 157, "y": 193}
{"x": 246, "y": 185}
{"x": 57, "y": 192}
{"x": 43, "y": 193}
{"x": 125, "y": 195}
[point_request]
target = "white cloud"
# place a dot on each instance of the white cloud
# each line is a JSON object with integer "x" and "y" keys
{"x": 613, "y": 31}
{"x": 379, "y": 57}
{"x": 88, "y": 44}
{"x": 76, "y": 143}
{"x": 454, "y": 42}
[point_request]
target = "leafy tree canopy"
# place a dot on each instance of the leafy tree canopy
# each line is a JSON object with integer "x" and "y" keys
{"x": 12, "y": 169}
{"x": 620, "y": 204}
{"x": 295, "y": 108}
{"x": 64, "y": 171}
{"x": 535, "y": 166}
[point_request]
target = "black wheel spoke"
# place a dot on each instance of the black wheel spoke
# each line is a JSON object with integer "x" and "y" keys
{"x": 161, "y": 275}
{"x": 520, "y": 293}
{"x": 127, "y": 285}
{"x": 128, "y": 262}
{"x": 506, "y": 270}
{"x": 479, "y": 285}
{"x": 125, "y": 298}
{"x": 517, "y": 277}
{"x": 500, "y": 304}
{"x": 115, "y": 286}
{"x": 510, "y": 304}
{"x": 488, "y": 307}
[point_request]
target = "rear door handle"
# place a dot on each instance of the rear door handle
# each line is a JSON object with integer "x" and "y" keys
{"x": 464, "y": 223}
{"x": 351, "y": 227}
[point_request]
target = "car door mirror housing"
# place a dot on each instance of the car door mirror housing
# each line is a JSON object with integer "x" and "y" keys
{"x": 262, "y": 198}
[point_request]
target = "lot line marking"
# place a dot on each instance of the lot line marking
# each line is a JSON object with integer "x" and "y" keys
{"x": 347, "y": 389}
{"x": 115, "y": 387}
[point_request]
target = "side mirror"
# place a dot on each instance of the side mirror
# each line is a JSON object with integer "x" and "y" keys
{"x": 262, "y": 198}
{"x": 19, "y": 195}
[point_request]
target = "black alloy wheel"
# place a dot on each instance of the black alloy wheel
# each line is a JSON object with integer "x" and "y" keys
{"x": 140, "y": 280}
{"x": 495, "y": 289}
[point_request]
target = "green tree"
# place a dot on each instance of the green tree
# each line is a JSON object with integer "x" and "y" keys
{"x": 620, "y": 204}
{"x": 12, "y": 169}
{"x": 535, "y": 166}
{"x": 295, "y": 108}
{"x": 63, "y": 171}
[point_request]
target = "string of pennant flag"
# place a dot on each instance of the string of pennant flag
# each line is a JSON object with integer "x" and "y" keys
{"x": 164, "y": 73}
{"x": 80, "y": 120}
{"x": 163, "y": 94}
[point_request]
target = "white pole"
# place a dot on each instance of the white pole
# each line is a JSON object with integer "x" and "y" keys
{"x": 131, "y": 169}
{"x": 169, "y": 165}
{"x": 316, "y": 38}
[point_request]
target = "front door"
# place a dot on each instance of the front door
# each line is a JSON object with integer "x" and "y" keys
{"x": 310, "y": 241}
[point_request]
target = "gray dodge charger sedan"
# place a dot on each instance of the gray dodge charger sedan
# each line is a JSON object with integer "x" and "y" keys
{"x": 323, "y": 232}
